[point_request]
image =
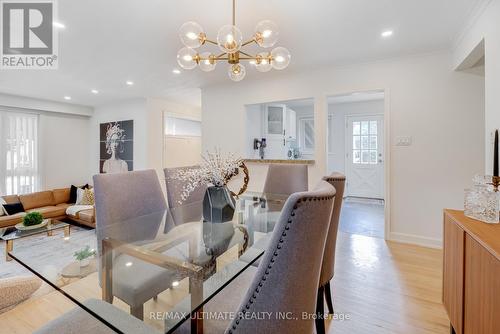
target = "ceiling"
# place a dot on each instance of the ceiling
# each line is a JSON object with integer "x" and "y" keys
{"x": 106, "y": 43}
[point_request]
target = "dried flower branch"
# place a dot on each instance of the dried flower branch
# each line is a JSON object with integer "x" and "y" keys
{"x": 216, "y": 169}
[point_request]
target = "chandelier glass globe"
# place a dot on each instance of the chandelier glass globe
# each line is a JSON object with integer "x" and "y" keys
{"x": 229, "y": 39}
{"x": 266, "y": 33}
{"x": 192, "y": 35}
{"x": 236, "y": 72}
{"x": 186, "y": 58}
{"x": 207, "y": 62}
{"x": 280, "y": 58}
{"x": 262, "y": 64}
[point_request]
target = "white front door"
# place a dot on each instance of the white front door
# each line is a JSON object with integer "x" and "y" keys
{"x": 365, "y": 156}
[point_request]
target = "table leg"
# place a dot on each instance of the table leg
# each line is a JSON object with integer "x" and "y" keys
{"x": 9, "y": 246}
{"x": 67, "y": 231}
{"x": 107, "y": 271}
{"x": 49, "y": 233}
{"x": 196, "y": 291}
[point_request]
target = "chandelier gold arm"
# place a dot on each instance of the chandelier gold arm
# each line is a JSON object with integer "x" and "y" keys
{"x": 250, "y": 41}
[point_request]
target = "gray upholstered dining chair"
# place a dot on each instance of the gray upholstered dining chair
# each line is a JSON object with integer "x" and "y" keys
{"x": 288, "y": 276}
{"x": 286, "y": 179}
{"x": 120, "y": 197}
{"x": 191, "y": 209}
{"x": 337, "y": 180}
{"x": 79, "y": 321}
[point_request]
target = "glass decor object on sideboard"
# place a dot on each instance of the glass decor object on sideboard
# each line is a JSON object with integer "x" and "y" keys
{"x": 216, "y": 171}
{"x": 482, "y": 202}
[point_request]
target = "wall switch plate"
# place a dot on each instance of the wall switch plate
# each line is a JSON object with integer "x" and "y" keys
{"x": 403, "y": 141}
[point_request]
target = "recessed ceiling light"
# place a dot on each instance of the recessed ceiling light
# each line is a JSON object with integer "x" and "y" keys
{"x": 175, "y": 283}
{"x": 176, "y": 71}
{"x": 95, "y": 91}
{"x": 128, "y": 264}
{"x": 67, "y": 98}
{"x": 130, "y": 83}
{"x": 387, "y": 33}
{"x": 58, "y": 25}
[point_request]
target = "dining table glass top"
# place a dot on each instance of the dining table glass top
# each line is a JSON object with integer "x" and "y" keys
{"x": 183, "y": 262}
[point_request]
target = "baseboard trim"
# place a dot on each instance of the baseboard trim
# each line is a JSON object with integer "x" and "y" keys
{"x": 416, "y": 240}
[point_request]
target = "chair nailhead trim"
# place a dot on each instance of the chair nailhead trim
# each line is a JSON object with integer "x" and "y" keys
{"x": 275, "y": 254}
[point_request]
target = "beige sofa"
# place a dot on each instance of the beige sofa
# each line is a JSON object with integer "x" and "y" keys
{"x": 51, "y": 204}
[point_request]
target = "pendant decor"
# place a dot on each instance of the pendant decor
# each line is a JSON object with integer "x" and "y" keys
{"x": 230, "y": 42}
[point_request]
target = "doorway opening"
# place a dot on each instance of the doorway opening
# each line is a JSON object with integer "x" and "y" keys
{"x": 356, "y": 145}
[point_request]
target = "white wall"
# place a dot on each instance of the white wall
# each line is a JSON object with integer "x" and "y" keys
{"x": 63, "y": 150}
{"x": 336, "y": 138}
{"x": 485, "y": 26}
{"x": 441, "y": 109}
{"x": 126, "y": 110}
{"x": 156, "y": 155}
{"x": 148, "y": 129}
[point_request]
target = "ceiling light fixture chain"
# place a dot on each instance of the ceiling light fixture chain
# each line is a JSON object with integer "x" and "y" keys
{"x": 230, "y": 41}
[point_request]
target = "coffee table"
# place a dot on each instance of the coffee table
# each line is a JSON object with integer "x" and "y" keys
{"x": 11, "y": 233}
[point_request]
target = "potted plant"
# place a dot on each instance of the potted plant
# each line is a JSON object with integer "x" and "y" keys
{"x": 32, "y": 219}
{"x": 216, "y": 171}
{"x": 83, "y": 256}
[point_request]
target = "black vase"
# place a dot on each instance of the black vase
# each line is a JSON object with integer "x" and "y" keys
{"x": 218, "y": 205}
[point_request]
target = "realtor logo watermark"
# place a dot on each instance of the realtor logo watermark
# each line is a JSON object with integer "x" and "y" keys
{"x": 28, "y": 38}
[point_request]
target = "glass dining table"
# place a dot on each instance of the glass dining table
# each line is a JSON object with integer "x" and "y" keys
{"x": 201, "y": 259}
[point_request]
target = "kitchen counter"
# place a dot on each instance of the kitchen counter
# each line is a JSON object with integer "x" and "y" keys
{"x": 280, "y": 161}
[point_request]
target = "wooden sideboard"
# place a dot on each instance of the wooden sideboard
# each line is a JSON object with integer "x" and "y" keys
{"x": 471, "y": 274}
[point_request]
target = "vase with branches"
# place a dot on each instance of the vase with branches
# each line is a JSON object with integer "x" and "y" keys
{"x": 215, "y": 171}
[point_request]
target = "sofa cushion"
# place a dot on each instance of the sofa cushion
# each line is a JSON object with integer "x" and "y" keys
{"x": 6, "y": 221}
{"x": 50, "y": 211}
{"x": 12, "y": 209}
{"x": 86, "y": 215}
{"x": 63, "y": 205}
{"x": 61, "y": 195}
{"x": 9, "y": 199}
{"x": 36, "y": 200}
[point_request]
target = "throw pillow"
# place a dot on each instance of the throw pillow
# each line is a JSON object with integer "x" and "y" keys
{"x": 14, "y": 208}
{"x": 2, "y": 202}
{"x": 79, "y": 196}
{"x": 88, "y": 197}
{"x": 73, "y": 192}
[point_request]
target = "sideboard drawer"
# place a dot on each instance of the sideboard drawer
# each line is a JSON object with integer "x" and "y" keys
{"x": 453, "y": 273}
{"x": 482, "y": 289}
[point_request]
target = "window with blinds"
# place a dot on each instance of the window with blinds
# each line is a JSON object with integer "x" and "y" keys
{"x": 19, "y": 170}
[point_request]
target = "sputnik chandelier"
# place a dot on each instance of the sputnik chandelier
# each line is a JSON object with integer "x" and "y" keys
{"x": 230, "y": 41}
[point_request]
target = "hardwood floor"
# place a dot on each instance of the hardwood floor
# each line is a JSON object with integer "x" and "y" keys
{"x": 382, "y": 287}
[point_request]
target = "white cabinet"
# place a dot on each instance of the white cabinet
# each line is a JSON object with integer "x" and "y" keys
{"x": 280, "y": 125}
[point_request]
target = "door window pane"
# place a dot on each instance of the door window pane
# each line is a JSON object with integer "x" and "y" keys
{"x": 365, "y": 157}
{"x": 356, "y": 142}
{"x": 365, "y": 142}
{"x": 356, "y": 128}
{"x": 356, "y": 157}
{"x": 365, "y": 129}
